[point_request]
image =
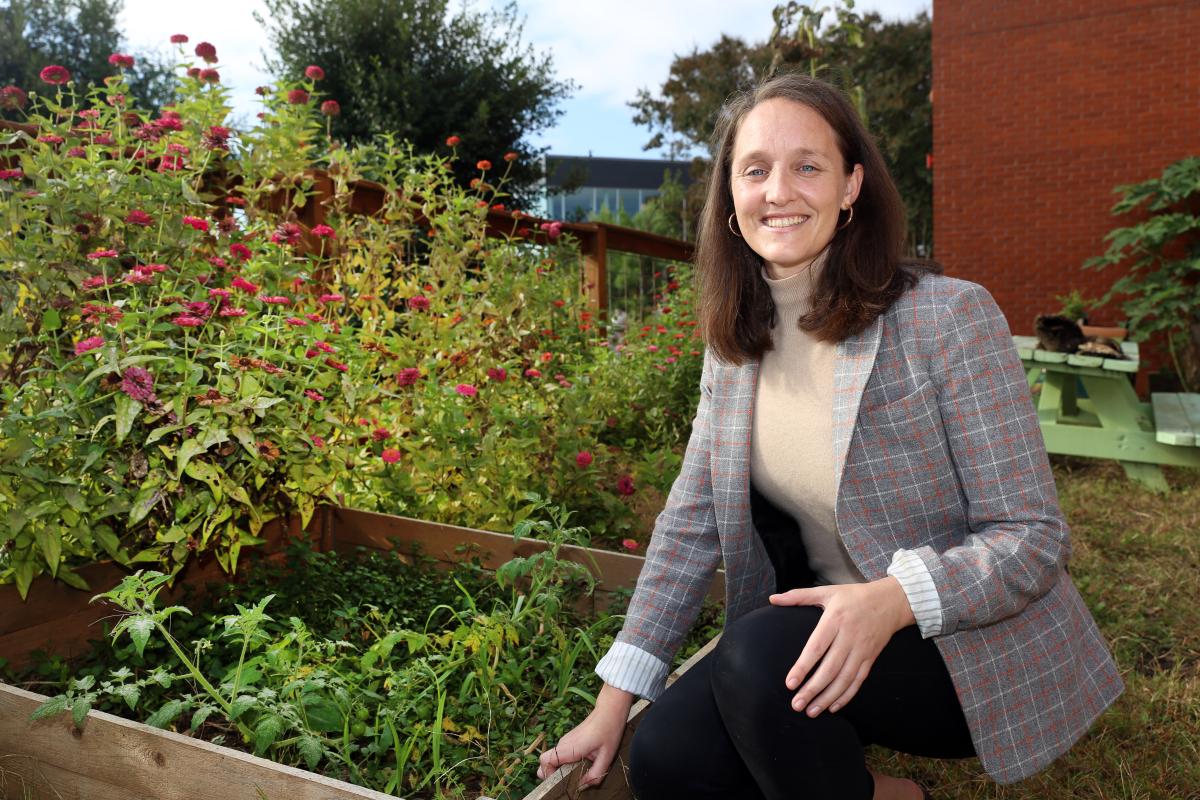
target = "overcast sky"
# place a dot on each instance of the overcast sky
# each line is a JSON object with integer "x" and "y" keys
{"x": 610, "y": 49}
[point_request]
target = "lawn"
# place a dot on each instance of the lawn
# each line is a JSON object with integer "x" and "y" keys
{"x": 1137, "y": 563}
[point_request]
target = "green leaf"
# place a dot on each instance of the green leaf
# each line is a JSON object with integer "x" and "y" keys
{"x": 104, "y": 536}
{"x": 189, "y": 448}
{"x": 241, "y": 705}
{"x": 129, "y": 693}
{"x": 51, "y": 708}
{"x": 166, "y": 715}
{"x": 266, "y": 732}
{"x": 201, "y": 714}
{"x": 79, "y": 710}
{"x": 127, "y": 410}
{"x": 72, "y": 578}
{"x": 140, "y": 628}
{"x": 51, "y": 320}
{"x": 243, "y": 435}
{"x": 145, "y": 500}
{"x": 203, "y": 471}
{"x": 310, "y": 750}
{"x": 322, "y": 714}
{"x": 50, "y": 542}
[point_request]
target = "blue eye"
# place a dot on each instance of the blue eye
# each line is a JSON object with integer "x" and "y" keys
{"x": 807, "y": 168}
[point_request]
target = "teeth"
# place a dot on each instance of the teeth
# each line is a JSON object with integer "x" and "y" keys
{"x": 783, "y": 222}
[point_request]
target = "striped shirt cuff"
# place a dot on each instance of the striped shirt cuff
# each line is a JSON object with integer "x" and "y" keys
{"x": 908, "y": 568}
{"x": 633, "y": 669}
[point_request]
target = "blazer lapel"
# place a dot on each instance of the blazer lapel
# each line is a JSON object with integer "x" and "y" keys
{"x": 855, "y": 360}
{"x": 731, "y": 417}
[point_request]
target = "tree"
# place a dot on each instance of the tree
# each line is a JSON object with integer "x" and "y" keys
{"x": 885, "y": 67}
{"x": 409, "y": 68}
{"x": 79, "y": 35}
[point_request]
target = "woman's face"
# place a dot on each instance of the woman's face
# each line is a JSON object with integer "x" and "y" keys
{"x": 789, "y": 184}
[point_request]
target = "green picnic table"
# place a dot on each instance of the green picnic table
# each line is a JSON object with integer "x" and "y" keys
{"x": 1106, "y": 419}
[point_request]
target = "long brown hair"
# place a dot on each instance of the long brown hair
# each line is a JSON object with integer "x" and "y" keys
{"x": 864, "y": 272}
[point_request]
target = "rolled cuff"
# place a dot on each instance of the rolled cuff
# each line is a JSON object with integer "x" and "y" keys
{"x": 633, "y": 670}
{"x": 908, "y": 568}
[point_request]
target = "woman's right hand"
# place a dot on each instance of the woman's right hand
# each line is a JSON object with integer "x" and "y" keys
{"x": 597, "y": 738}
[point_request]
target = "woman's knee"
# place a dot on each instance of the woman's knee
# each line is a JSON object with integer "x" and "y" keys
{"x": 758, "y": 649}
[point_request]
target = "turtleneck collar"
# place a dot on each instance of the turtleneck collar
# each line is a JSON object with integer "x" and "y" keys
{"x": 793, "y": 294}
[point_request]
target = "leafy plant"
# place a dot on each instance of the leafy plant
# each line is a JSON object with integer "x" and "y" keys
{"x": 1161, "y": 256}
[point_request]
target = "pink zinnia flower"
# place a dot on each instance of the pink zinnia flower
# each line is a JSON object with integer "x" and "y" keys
{"x": 121, "y": 60}
{"x": 583, "y": 458}
{"x": 296, "y": 322}
{"x": 138, "y": 383}
{"x": 90, "y": 343}
{"x": 55, "y": 75}
{"x": 209, "y": 75}
{"x": 287, "y": 233}
{"x": 99, "y": 254}
{"x": 499, "y": 374}
{"x": 243, "y": 284}
{"x": 408, "y": 376}
{"x": 466, "y": 390}
{"x": 224, "y": 294}
{"x": 338, "y": 365}
{"x": 50, "y": 138}
{"x": 178, "y": 38}
{"x": 139, "y": 277}
{"x": 318, "y": 442}
{"x": 188, "y": 321}
{"x": 297, "y": 97}
{"x": 324, "y": 347}
{"x": 216, "y": 138}
{"x": 138, "y": 217}
{"x": 207, "y": 52}
{"x": 629, "y": 544}
{"x": 331, "y": 108}
{"x": 314, "y": 395}
{"x": 275, "y": 299}
{"x": 390, "y": 456}
{"x": 313, "y": 72}
{"x": 547, "y": 357}
{"x": 96, "y": 281}
{"x": 533, "y": 373}
{"x": 13, "y": 97}
{"x": 324, "y": 232}
{"x": 625, "y": 485}
{"x": 196, "y": 223}
{"x": 239, "y": 251}
{"x": 230, "y": 311}
{"x": 381, "y": 434}
{"x": 11, "y": 174}
{"x": 418, "y": 303}
{"x": 331, "y": 298}
{"x": 218, "y": 262}
{"x": 199, "y": 308}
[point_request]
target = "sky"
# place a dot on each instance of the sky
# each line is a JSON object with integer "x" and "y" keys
{"x": 610, "y": 49}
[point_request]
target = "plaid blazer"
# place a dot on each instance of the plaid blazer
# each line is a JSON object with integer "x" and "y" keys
{"x": 937, "y": 450}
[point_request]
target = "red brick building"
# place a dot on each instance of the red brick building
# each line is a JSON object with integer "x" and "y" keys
{"x": 1040, "y": 109}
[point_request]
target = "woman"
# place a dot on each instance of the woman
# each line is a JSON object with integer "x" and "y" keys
{"x": 924, "y": 603}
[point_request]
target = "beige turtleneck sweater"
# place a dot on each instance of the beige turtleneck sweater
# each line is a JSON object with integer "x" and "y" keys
{"x": 791, "y": 446}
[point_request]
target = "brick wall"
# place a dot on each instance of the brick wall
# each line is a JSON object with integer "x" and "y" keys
{"x": 1040, "y": 109}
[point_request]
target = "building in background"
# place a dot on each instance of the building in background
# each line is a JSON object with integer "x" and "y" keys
{"x": 1039, "y": 111}
{"x": 578, "y": 187}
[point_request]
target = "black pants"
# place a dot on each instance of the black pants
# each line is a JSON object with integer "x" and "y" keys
{"x": 726, "y": 729}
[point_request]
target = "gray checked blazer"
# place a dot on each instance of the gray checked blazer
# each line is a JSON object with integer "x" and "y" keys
{"x": 937, "y": 450}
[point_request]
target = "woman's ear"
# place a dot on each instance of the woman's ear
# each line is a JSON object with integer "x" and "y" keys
{"x": 853, "y": 185}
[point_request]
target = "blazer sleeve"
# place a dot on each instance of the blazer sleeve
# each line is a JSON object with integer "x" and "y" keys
{"x": 1017, "y": 542}
{"x": 681, "y": 561}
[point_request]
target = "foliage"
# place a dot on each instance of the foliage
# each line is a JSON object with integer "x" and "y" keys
{"x": 79, "y": 35}
{"x": 1161, "y": 256}
{"x": 410, "y": 708}
{"x": 184, "y": 361}
{"x": 886, "y": 67}
{"x": 420, "y": 72}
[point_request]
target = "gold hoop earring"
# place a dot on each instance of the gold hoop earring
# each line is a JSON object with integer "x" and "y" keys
{"x": 847, "y": 222}
{"x": 729, "y": 222}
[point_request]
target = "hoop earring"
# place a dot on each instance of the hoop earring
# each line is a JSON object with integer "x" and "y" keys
{"x": 729, "y": 222}
{"x": 847, "y": 222}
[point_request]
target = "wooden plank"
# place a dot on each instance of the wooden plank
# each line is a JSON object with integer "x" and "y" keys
{"x": 149, "y": 763}
{"x": 564, "y": 783}
{"x": 1077, "y": 360}
{"x": 24, "y": 777}
{"x": 1171, "y": 425}
{"x": 1191, "y": 407}
{"x": 1120, "y": 365}
{"x": 1049, "y": 357}
{"x": 613, "y": 571}
{"x": 1025, "y": 345}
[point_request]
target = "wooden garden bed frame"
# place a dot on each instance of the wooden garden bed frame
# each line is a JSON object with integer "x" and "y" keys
{"x": 116, "y": 759}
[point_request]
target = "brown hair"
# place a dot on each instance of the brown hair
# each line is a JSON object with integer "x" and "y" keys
{"x": 864, "y": 272}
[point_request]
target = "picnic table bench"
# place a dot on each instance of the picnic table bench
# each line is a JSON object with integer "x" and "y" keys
{"x": 1088, "y": 407}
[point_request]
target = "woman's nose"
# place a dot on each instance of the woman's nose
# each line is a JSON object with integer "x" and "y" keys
{"x": 780, "y": 188}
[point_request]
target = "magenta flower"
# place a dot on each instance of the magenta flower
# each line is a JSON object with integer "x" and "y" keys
{"x": 121, "y": 60}
{"x": 625, "y": 485}
{"x": 331, "y": 108}
{"x": 408, "y": 376}
{"x": 629, "y": 544}
{"x": 583, "y": 458}
{"x": 55, "y": 75}
{"x": 314, "y": 395}
{"x": 207, "y": 52}
{"x": 209, "y": 75}
{"x": 138, "y": 383}
{"x": 218, "y": 262}
{"x": 498, "y": 374}
{"x": 324, "y": 232}
{"x": 178, "y": 38}
{"x": 275, "y": 299}
{"x": 196, "y": 223}
{"x": 138, "y": 217}
{"x": 14, "y": 98}
{"x": 239, "y": 251}
{"x": 338, "y": 365}
{"x": 97, "y": 281}
{"x": 324, "y": 347}
{"x": 96, "y": 255}
{"x": 287, "y": 233}
{"x": 11, "y": 174}
{"x": 390, "y": 456}
{"x": 224, "y": 294}
{"x": 199, "y": 308}
{"x": 533, "y": 373}
{"x": 381, "y": 434}
{"x": 313, "y": 72}
{"x": 466, "y": 390}
{"x": 230, "y": 311}
{"x": 88, "y": 344}
{"x": 318, "y": 442}
{"x": 188, "y": 321}
{"x": 331, "y": 298}
{"x": 297, "y": 97}
{"x": 418, "y": 303}
{"x": 296, "y": 322}
{"x": 244, "y": 285}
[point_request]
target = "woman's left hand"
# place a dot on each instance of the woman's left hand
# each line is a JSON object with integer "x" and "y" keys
{"x": 858, "y": 621}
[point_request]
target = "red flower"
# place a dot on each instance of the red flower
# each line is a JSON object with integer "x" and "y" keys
{"x": 209, "y": 75}
{"x": 243, "y": 284}
{"x": 239, "y": 251}
{"x": 138, "y": 383}
{"x": 330, "y": 298}
{"x": 315, "y": 317}
{"x": 313, "y": 72}
{"x": 11, "y": 174}
{"x": 50, "y": 138}
{"x": 230, "y": 311}
{"x": 629, "y": 544}
{"x": 546, "y": 357}
{"x": 55, "y": 75}
{"x": 324, "y": 347}
{"x": 99, "y": 254}
{"x": 178, "y": 38}
{"x": 188, "y": 321}
{"x": 331, "y": 108}
{"x": 96, "y": 281}
{"x": 90, "y": 343}
{"x": 297, "y": 97}
{"x": 625, "y": 485}
{"x": 339, "y": 366}
{"x": 533, "y": 373}
{"x": 314, "y": 395}
{"x": 408, "y": 376}
{"x": 95, "y": 313}
{"x": 324, "y": 232}
{"x": 138, "y": 217}
{"x": 196, "y": 223}
{"x": 498, "y": 374}
{"x": 275, "y": 299}
{"x": 510, "y": 156}
{"x": 224, "y": 294}
{"x": 381, "y": 434}
{"x": 287, "y": 233}
{"x": 199, "y": 308}
{"x": 121, "y": 60}
{"x": 170, "y": 163}
{"x": 193, "y": 72}
{"x": 453, "y": 141}
{"x": 583, "y": 459}
{"x": 13, "y": 97}
{"x": 466, "y": 390}
{"x": 216, "y": 138}
{"x": 218, "y": 262}
{"x": 483, "y": 165}
{"x": 207, "y": 52}
{"x": 296, "y": 322}
{"x": 418, "y": 302}
{"x": 390, "y": 456}
{"x": 318, "y": 442}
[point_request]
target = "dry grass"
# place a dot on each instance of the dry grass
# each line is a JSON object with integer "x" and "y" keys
{"x": 1137, "y": 563}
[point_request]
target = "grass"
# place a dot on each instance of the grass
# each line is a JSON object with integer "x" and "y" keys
{"x": 1136, "y": 562}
